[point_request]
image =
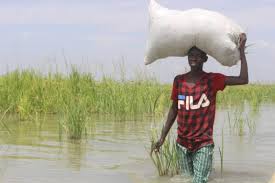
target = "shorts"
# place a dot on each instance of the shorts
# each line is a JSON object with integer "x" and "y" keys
{"x": 196, "y": 164}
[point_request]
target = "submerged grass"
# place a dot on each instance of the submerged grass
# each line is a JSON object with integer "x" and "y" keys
{"x": 74, "y": 121}
{"x": 166, "y": 160}
{"x": 239, "y": 122}
{"x": 77, "y": 95}
{"x": 221, "y": 152}
{"x": 3, "y": 124}
{"x": 30, "y": 93}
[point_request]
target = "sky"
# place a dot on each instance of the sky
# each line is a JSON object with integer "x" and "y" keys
{"x": 102, "y": 37}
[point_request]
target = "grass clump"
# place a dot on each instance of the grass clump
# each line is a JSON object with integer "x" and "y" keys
{"x": 166, "y": 160}
{"x": 75, "y": 120}
{"x": 75, "y": 107}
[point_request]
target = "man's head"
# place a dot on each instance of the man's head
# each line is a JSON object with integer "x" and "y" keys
{"x": 196, "y": 57}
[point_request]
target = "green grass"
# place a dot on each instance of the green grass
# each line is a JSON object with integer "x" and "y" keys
{"x": 253, "y": 94}
{"x": 76, "y": 96}
{"x": 31, "y": 93}
{"x": 74, "y": 121}
{"x": 166, "y": 160}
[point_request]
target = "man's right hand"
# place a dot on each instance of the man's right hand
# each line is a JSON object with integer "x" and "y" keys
{"x": 156, "y": 146}
{"x": 242, "y": 41}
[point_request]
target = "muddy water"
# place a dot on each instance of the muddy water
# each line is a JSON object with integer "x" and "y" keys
{"x": 116, "y": 152}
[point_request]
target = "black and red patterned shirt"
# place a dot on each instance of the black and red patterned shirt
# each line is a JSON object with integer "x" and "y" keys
{"x": 196, "y": 109}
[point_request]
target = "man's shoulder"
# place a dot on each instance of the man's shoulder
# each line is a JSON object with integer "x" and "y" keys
{"x": 215, "y": 74}
{"x": 179, "y": 77}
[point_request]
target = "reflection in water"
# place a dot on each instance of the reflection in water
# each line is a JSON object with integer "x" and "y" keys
{"x": 114, "y": 151}
{"x": 76, "y": 152}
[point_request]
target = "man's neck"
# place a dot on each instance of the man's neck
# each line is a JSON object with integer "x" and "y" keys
{"x": 196, "y": 72}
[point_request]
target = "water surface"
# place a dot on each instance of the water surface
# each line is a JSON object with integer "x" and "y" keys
{"x": 116, "y": 152}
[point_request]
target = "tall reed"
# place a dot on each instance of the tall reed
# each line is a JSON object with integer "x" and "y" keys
{"x": 221, "y": 151}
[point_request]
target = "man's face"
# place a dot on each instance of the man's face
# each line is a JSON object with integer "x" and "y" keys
{"x": 196, "y": 57}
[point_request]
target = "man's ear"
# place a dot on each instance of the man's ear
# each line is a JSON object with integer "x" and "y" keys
{"x": 206, "y": 58}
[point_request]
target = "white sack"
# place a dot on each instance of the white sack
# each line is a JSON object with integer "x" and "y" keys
{"x": 173, "y": 33}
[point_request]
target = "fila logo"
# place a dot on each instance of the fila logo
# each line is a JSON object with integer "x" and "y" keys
{"x": 187, "y": 102}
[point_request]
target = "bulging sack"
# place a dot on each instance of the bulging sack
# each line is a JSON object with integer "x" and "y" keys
{"x": 173, "y": 33}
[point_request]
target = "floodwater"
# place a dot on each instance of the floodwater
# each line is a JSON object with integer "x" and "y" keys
{"x": 117, "y": 152}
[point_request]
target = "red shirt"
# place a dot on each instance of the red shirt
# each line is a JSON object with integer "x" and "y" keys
{"x": 196, "y": 109}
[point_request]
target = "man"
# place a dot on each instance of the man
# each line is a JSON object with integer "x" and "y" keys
{"x": 194, "y": 104}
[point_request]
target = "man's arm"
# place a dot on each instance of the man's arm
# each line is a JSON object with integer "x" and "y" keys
{"x": 169, "y": 122}
{"x": 243, "y": 77}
